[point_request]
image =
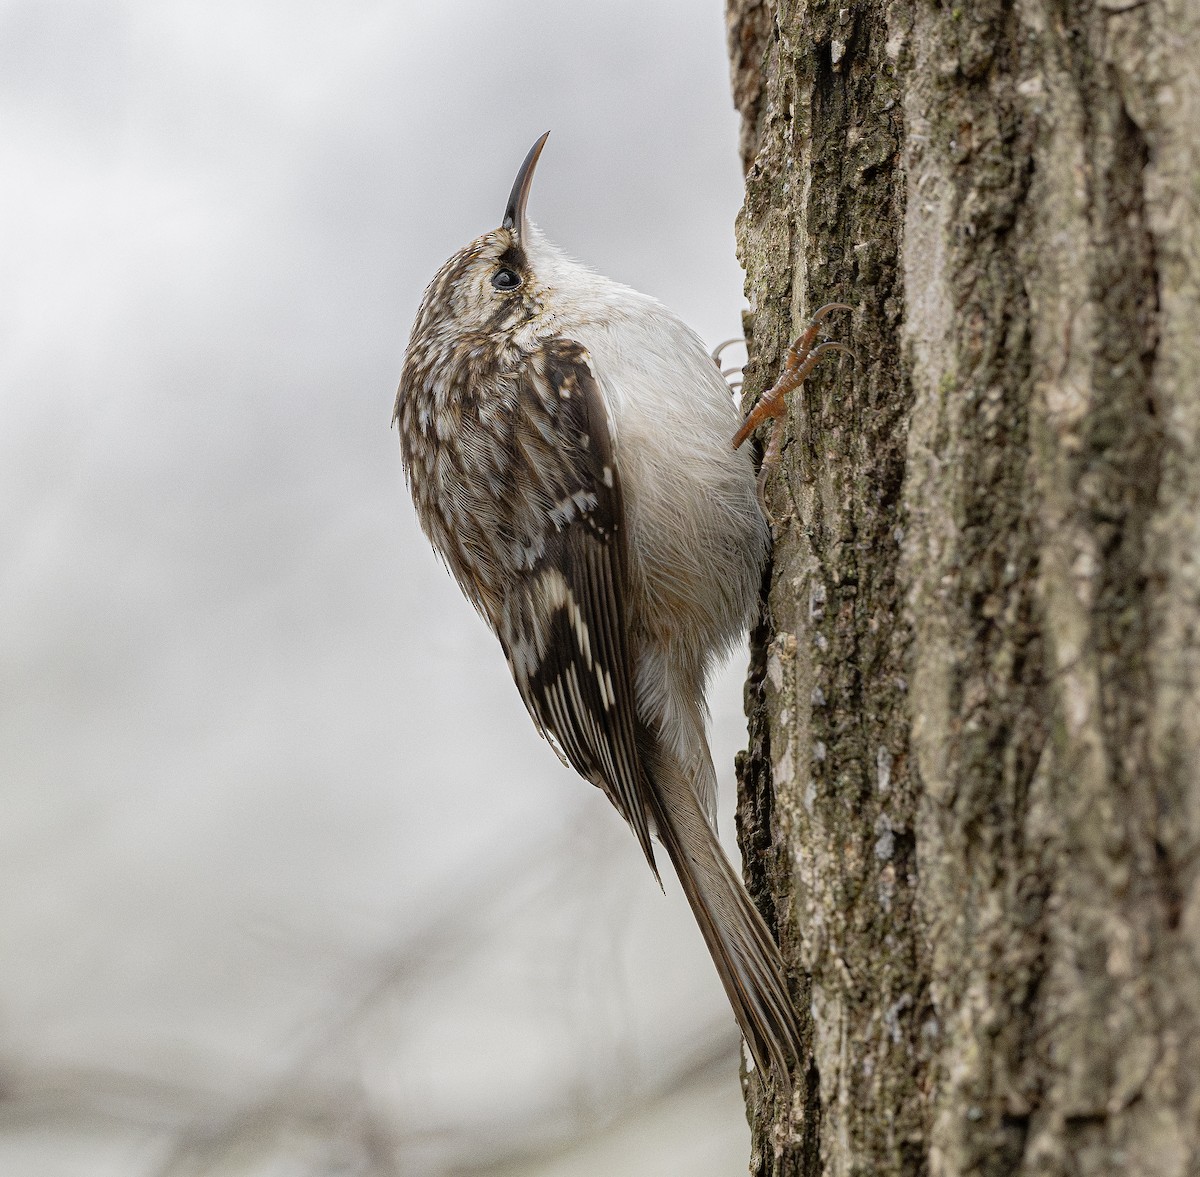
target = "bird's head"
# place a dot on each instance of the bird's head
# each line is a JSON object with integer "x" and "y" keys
{"x": 489, "y": 285}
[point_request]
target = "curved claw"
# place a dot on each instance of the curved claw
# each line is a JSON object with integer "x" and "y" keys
{"x": 831, "y": 346}
{"x": 716, "y": 351}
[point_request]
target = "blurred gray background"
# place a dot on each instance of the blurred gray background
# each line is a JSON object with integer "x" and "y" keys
{"x": 289, "y": 883}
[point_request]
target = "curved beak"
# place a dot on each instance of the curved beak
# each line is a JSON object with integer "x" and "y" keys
{"x": 514, "y": 214}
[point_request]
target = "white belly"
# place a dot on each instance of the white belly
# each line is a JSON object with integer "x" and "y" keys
{"x": 697, "y": 536}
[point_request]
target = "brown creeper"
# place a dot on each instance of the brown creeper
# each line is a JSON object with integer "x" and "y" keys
{"x": 567, "y": 442}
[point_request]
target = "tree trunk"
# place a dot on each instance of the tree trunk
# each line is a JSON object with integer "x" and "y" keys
{"x": 971, "y": 802}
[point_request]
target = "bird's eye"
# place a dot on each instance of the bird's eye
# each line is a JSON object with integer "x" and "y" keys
{"x": 506, "y": 279}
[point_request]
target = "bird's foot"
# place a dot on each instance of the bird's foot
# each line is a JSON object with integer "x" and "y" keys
{"x": 802, "y": 358}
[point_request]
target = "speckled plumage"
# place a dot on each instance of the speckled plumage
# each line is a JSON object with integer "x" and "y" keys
{"x": 567, "y": 442}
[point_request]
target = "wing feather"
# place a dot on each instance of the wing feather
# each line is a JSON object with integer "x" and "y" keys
{"x": 564, "y": 628}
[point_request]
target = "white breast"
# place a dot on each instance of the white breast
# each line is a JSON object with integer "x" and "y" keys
{"x": 697, "y": 535}
{"x": 690, "y": 498}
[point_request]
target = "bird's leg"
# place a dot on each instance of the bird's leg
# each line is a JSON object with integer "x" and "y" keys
{"x": 802, "y": 358}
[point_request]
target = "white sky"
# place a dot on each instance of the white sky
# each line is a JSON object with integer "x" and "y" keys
{"x": 252, "y": 742}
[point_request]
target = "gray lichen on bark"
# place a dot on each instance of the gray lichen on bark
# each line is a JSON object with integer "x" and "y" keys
{"x": 971, "y": 800}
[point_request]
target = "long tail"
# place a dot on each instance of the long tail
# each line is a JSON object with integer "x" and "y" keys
{"x": 747, "y": 958}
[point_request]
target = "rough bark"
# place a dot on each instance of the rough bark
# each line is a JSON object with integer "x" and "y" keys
{"x": 971, "y": 801}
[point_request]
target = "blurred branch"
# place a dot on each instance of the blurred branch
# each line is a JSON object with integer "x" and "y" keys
{"x": 321, "y": 1110}
{"x": 714, "y": 1057}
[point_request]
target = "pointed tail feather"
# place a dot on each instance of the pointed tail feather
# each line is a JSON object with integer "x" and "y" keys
{"x": 747, "y": 958}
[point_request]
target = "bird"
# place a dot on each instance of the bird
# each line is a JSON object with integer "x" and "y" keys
{"x": 568, "y": 445}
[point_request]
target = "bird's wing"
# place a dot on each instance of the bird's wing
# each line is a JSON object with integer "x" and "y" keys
{"x": 564, "y": 629}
